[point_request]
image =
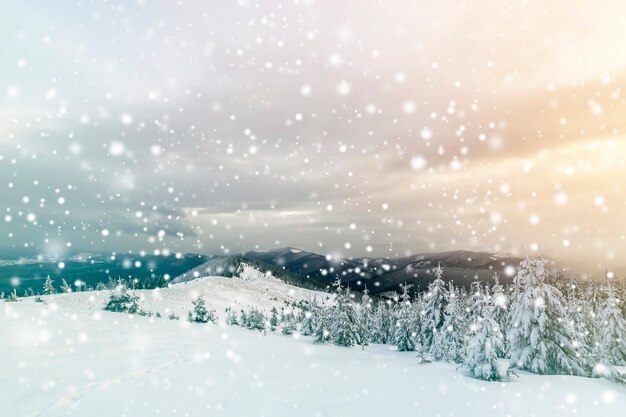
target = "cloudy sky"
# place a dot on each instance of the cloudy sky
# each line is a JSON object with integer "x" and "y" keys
{"x": 346, "y": 127}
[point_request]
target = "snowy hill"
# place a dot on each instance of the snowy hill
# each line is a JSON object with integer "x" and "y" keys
{"x": 67, "y": 357}
{"x": 234, "y": 265}
{"x": 253, "y": 289}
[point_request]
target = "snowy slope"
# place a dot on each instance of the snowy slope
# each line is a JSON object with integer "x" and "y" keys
{"x": 70, "y": 358}
{"x": 252, "y": 289}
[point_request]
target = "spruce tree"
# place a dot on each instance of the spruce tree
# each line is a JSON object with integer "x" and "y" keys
{"x": 580, "y": 319}
{"x": 123, "y": 301}
{"x": 540, "y": 341}
{"x": 65, "y": 286}
{"x": 382, "y": 323}
{"x": 499, "y": 312}
{"x": 321, "y": 332}
{"x": 404, "y": 337}
{"x": 454, "y": 326}
{"x": 273, "y": 319}
{"x": 288, "y": 324}
{"x": 432, "y": 321}
{"x": 612, "y": 329}
{"x": 199, "y": 313}
{"x": 308, "y": 320}
{"x": 344, "y": 327}
{"x": 48, "y": 286}
{"x": 231, "y": 317}
{"x": 364, "y": 318}
{"x": 255, "y": 320}
{"x": 485, "y": 342}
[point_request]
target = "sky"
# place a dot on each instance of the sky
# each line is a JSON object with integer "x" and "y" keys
{"x": 351, "y": 128}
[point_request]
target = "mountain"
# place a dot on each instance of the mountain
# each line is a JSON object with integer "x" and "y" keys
{"x": 381, "y": 275}
{"x": 291, "y": 265}
{"x": 235, "y": 265}
{"x": 91, "y": 268}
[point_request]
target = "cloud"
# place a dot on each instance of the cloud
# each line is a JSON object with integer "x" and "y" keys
{"x": 234, "y": 110}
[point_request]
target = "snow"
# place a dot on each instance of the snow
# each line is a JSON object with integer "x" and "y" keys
{"x": 252, "y": 289}
{"x": 70, "y": 358}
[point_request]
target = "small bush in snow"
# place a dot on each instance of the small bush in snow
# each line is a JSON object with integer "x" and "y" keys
{"x": 123, "y": 301}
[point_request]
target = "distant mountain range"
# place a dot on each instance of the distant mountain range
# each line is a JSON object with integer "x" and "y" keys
{"x": 91, "y": 268}
{"x": 381, "y": 275}
{"x": 294, "y": 266}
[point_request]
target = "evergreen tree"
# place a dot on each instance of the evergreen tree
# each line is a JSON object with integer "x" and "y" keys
{"x": 612, "y": 329}
{"x": 499, "y": 312}
{"x": 48, "y": 286}
{"x": 321, "y": 332}
{"x": 123, "y": 301}
{"x": 273, "y": 319}
{"x": 308, "y": 320}
{"x": 382, "y": 324}
{"x": 454, "y": 326}
{"x": 539, "y": 340}
{"x": 364, "y": 318}
{"x": 579, "y": 318}
{"x": 485, "y": 342}
{"x": 65, "y": 286}
{"x": 199, "y": 313}
{"x": 288, "y": 324}
{"x": 403, "y": 336}
{"x": 344, "y": 328}
{"x": 432, "y": 321}
{"x": 231, "y": 317}
{"x": 592, "y": 294}
{"x": 255, "y": 320}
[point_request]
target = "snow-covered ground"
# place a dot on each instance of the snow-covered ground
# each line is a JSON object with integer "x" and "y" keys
{"x": 252, "y": 289}
{"x": 70, "y": 358}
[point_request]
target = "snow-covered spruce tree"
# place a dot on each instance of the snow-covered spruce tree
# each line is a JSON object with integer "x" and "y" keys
{"x": 382, "y": 323}
{"x": 580, "y": 318}
{"x": 288, "y": 324}
{"x": 123, "y": 301}
{"x": 592, "y": 294}
{"x": 199, "y": 313}
{"x": 622, "y": 296}
{"x": 48, "y": 286}
{"x": 404, "y": 336}
{"x": 255, "y": 320}
{"x": 499, "y": 312}
{"x": 454, "y": 326}
{"x": 273, "y": 319}
{"x": 231, "y": 317}
{"x": 344, "y": 328}
{"x": 432, "y": 319}
{"x": 364, "y": 319}
{"x": 540, "y": 339}
{"x": 474, "y": 295}
{"x": 307, "y": 326}
{"x": 486, "y": 339}
{"x": 321, "y": 332}
{"x": 65, "y": 286}
{"x": 612, "y": 329}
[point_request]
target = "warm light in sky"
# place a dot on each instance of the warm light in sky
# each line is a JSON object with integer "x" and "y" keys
{"x": 429, "y": 126}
